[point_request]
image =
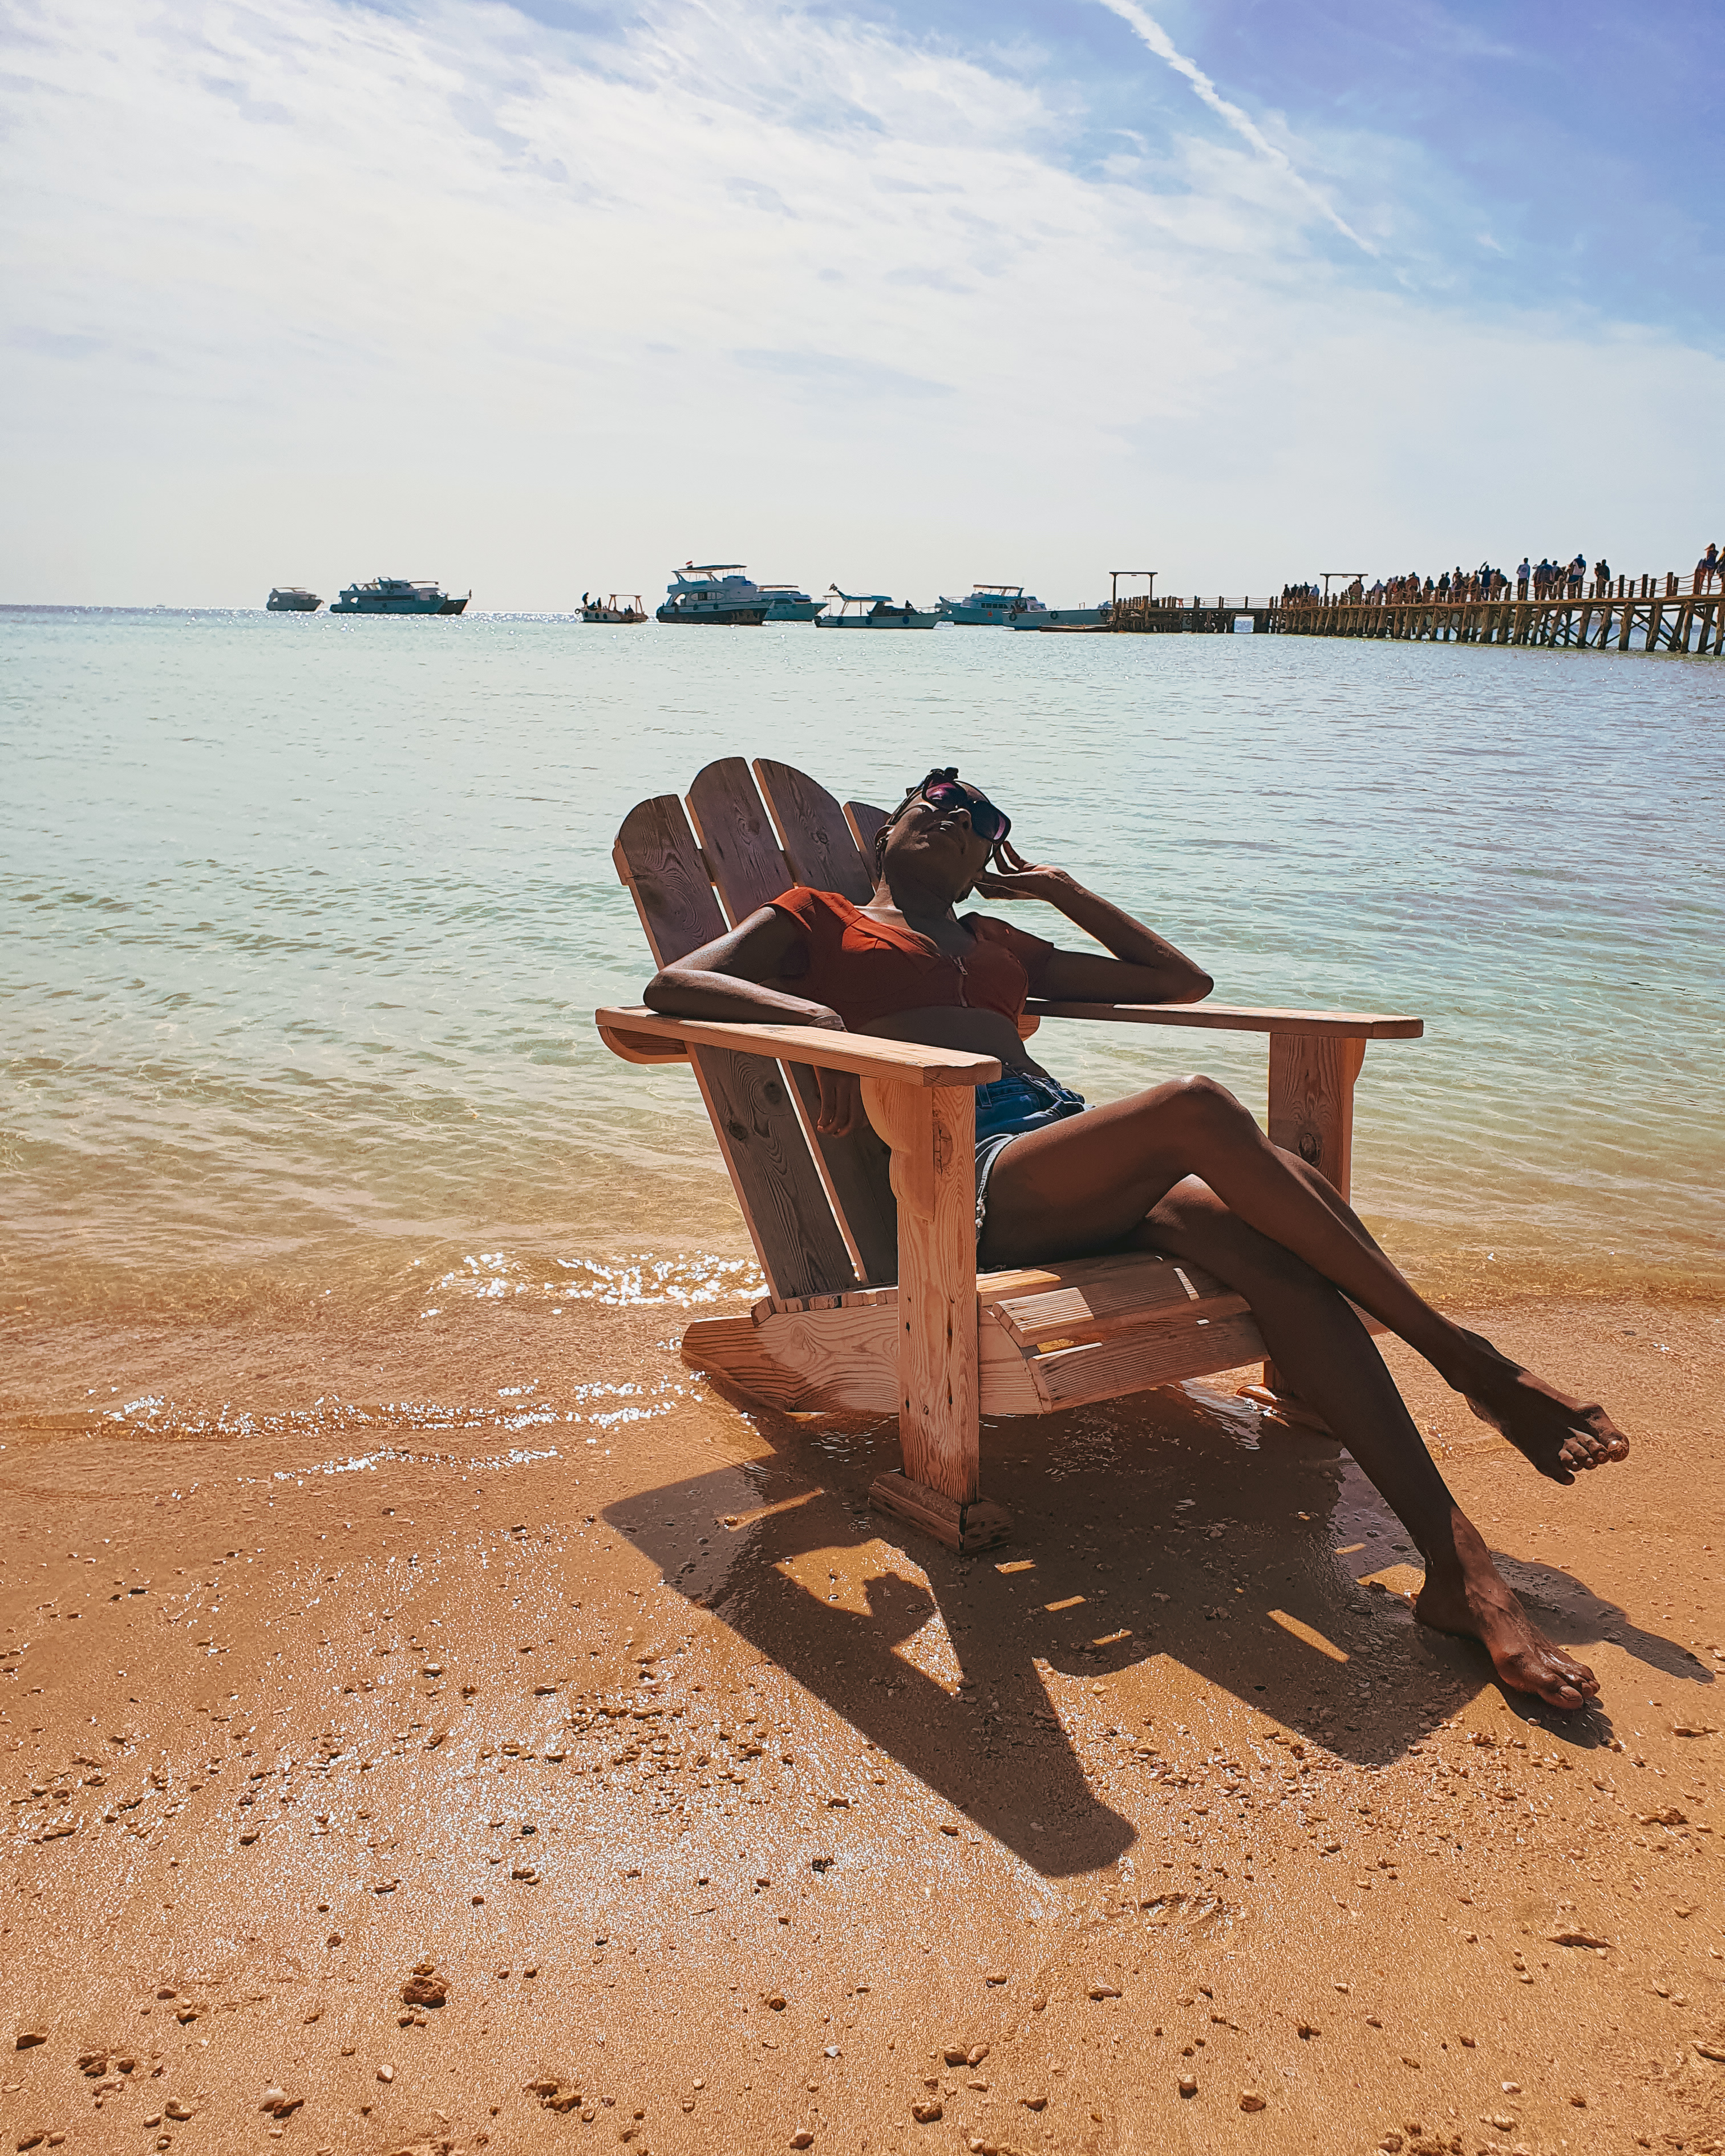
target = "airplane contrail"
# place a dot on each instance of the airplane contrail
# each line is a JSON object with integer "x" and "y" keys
{"x": 1159, "y": 42}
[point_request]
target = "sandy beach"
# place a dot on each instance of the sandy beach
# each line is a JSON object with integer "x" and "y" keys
{"x": 713, "y": 1814}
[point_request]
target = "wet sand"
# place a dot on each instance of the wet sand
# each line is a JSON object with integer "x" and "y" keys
{"x": 720, "y": 1814}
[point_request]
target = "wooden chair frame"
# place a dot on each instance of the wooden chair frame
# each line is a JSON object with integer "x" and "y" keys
{"x": 868, "y": 1242}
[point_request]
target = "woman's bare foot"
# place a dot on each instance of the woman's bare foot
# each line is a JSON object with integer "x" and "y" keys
{"x": 1475, "y": 1603}
{"x": 1561, "y": 1436}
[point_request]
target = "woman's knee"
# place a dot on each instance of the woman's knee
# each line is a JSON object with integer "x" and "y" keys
{"x": 1201, "y": 1103}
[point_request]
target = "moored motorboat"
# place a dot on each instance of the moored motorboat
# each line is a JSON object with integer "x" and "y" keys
{"x": 786, "y": 602}
{"x": 292, "y": 598}
{"x": 714, "y": 593}
{"x": 620, "y": 607}
{"x": 397, "y": 595}
{"x": 872, "y": 610}
{"x": 1090, "y": 617}
{"x": 724, "y": 593}
{"x": 988, "y": 606}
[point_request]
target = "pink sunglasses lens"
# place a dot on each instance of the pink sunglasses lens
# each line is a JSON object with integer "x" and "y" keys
{"x": 986, "y": 820}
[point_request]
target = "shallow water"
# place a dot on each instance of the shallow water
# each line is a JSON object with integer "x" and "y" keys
{"x": 307, "y": 919}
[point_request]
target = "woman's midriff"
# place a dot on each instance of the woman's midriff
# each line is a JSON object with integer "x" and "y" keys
{"x": 985, "y": 1032}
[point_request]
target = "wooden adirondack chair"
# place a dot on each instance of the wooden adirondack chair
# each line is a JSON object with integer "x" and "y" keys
{"x": 868, "y": 1242}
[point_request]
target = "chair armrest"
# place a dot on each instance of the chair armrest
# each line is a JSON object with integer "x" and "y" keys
{"x": 907, "y": 1062}
{"x": 1235, "y": 1018}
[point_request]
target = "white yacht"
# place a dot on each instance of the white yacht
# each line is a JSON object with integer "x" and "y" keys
{"x": 723, "y": 593}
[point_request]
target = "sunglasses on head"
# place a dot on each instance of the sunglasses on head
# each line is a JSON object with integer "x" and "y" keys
{"x": 943, "y": 795}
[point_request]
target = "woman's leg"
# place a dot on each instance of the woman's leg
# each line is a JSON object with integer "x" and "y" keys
{"x": 1329, "y": 1359}
{"x": 1081, "y": 1185}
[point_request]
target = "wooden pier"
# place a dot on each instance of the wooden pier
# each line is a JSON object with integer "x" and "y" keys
{"x": 1626, "y": 614}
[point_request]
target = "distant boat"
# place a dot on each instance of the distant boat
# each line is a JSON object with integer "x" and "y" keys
{"x": 723, "y": 595}
{"x": 872, "y": 610}
{"x": 989, "y": 606}
{"x": 631, "y": 610}
{"x": 293, "y": 598}
{"x": 788, "y": 604}
{"x": 397, "y": 595}
{"x": 1009, "y": 606}
{"x": 1042, "y": 617}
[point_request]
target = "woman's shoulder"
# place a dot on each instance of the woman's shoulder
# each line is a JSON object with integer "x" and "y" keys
{"x": 804, "y": 901}
{"x": 820, "y": 914}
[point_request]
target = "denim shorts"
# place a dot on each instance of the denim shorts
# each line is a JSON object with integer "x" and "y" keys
{"x": 1022, "y": 1100}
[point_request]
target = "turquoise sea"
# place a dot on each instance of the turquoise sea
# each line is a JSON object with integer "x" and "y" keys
{"x": 306, "y": 919}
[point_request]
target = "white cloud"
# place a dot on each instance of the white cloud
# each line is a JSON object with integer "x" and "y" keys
{"x": 309, "y": 292}
{"x": 1158, "y": 41}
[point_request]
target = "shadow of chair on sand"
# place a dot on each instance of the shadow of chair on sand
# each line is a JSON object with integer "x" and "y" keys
{"x": 1158, "y": 1528}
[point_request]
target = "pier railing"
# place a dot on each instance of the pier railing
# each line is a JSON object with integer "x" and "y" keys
{"x": 1205, "y": 617}
{"x": 1666, "y": 613}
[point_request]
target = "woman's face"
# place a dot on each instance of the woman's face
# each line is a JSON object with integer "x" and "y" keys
{"x": 936, "y": 845}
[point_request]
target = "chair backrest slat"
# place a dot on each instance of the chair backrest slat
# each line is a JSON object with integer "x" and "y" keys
{"x": 745, "y": 861}
{"x": 864, "y": 822}
{"x": 755, "y": 1119}
{"x": 859, "y": 1174}
{"x": 817, "y": 840}
{"x": 657, "y": 857}
{"x": 743, "y": 856}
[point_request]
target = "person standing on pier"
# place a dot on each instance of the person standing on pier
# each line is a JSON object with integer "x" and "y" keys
{"x": 1522, "y": 576}
{"x": 1707, "y": 568}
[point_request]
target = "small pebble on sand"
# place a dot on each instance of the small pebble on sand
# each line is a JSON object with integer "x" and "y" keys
{"x": 1189, "y": 2085}
{"x": 386, "y": 2073}
{"x": 27, "y": 2038}
{"x": 1249, "y": 2100}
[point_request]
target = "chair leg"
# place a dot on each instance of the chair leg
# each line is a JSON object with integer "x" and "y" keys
{"x": 931, "y": 1130}
{"x": 1312, "y": 1080}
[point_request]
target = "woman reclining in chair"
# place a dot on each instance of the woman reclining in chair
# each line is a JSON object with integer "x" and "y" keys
{"x": 1182, "y": 1168}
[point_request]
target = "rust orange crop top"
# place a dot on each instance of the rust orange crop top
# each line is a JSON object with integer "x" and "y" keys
{"x": 866, "y": 968}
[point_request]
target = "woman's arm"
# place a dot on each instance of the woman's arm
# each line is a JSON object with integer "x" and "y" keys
{"x": 1145, "y": 968}
{"x": 727, "y": 978}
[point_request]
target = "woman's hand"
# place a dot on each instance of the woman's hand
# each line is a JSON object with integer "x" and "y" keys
{"x": 841, "y": 1108}
{"x": 1015, "y": 877}
{"x": 1143, "y": 967}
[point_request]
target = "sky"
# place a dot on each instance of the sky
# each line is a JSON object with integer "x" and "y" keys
{"x": 544, "y": 297}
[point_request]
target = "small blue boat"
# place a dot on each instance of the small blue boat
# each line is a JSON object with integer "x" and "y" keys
{"x": 397, "y": 595}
